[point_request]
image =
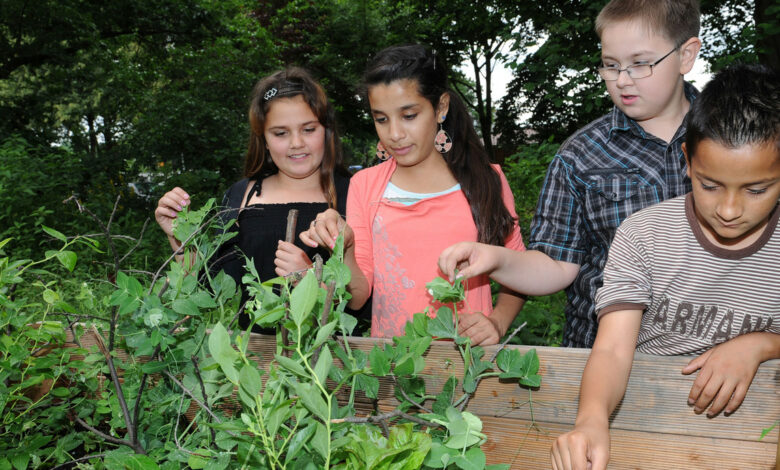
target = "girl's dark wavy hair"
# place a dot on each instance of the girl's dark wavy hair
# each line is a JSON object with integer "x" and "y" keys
{"x": 290, "y": 82}
{"x": 467, "y": 159}
{"x": 739, "y": 106}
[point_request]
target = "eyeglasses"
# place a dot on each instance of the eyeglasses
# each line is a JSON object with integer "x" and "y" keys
{"x": 634, "y": 71}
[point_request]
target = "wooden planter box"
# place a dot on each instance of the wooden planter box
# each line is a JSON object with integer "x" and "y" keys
{"x": 652, "y": 428}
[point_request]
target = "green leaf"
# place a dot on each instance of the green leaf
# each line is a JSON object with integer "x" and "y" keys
{"x": 20, "y": 461}
{"x": 119, "y": 460}
{"x": 289, "y": 364}
{"x": 185, "y": 307}
{"x": 197, "y": 462}
{"x": 442, "y": 291}
{"x": 380, "y": 363}
{"x": 443, "y": 326}
{"x": 323, "y": 333}
{"x": 516, "y": 365}
{"x": 347, "y": 323}
{"x": 50, "y": 297}
{"x": 444, "y": 398}
{"x": 311, "y": 398}
{"x": 439, "y": 456}
{"x": 249, "y": 379}
{"x": 299, "y": 440}
{"x": 223, "y": 352}
{"x": 153, "y": 367}
{"x": 369, "y": 385}
{"x": 324, "y": 364}
{"x": 60, "y": 392}
{"x": 473, "y": 459}
{"x": 54, "y": 233}
{"x": 67, "y": 259}
{"x": 303, "y": 298}
{"x": 464, "y": 428}
{"x": 320, "y": 440}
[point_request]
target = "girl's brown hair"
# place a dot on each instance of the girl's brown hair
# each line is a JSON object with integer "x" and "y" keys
{"x": 467, "y": 160}
{"x": 287, "y": 83}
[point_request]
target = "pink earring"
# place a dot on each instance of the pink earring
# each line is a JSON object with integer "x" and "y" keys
{"x": 381, "y": 152}
{"x": 442, "y": 142}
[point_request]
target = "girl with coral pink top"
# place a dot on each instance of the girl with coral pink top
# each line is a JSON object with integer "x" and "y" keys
{"x": 436, "y": 188}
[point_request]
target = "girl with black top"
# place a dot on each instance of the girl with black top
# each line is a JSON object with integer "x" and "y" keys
{"x": 293, "y": 162}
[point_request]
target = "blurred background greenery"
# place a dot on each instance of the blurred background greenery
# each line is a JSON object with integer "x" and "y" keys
{"x": 101, "y": 99}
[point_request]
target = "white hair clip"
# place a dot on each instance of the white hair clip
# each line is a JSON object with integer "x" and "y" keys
{"x": 270, "y": 94}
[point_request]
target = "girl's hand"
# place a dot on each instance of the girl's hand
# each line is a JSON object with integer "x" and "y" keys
{"x": 470, "y": 258}
{"x": 325, "y": 229}
{"x": 168, "y": 208}
{"x": 586, "y": 447}
{"x": 726, "y": 373}
{"x": 289, "y": 259}
{"x": 478, "y": 327}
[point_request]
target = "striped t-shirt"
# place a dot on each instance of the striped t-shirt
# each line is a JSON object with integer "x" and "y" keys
{"x": 694, "y": 293}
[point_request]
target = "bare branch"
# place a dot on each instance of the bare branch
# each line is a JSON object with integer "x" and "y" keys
{"x": 492, "y": 358}
{"x": 117, "y": 386}
{"x": 108, "y": 438}
{"x": 195, "y": 399}
{"x": 375, "y": 419}
{"x": 138, "y": 243}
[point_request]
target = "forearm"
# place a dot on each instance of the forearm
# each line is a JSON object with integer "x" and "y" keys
{"x": 358, "y": 285}
{"x": 533, "y": 272}
{"x": 604, "y": 382}
{"x": 508, "y": 305}
{"x": 768, "y": 344}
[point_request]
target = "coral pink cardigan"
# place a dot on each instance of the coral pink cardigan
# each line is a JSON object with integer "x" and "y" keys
{"x": 397, "y": 247}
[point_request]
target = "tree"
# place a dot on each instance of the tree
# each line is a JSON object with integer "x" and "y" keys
{"x": 477, "y": 35}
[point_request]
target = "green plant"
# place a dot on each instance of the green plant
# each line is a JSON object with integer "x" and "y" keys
{"x": 168, "y": 344}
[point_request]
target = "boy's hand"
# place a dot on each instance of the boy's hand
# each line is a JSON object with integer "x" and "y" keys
{"x": 325, "y": 229}
{"x": 584, "y": 448}
{"x": 470, "y": 258}
{"x": 726, "y": 373}
{"x": 479, "y": 328}
{"x": 290, "y": 258}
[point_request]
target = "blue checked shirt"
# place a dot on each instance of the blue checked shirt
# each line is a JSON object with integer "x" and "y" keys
{"x": 603, "y": 173}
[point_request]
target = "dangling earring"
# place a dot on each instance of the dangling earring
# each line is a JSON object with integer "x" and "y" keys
{"x": 381, "y": 152}
{"x": 442, "y": 142}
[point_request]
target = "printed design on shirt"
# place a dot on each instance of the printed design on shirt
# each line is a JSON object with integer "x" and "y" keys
{"x": 712, "y": 324}
{"x": 390, "y": 284}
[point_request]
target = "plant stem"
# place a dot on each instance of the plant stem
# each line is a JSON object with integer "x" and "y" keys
{"x": 118, "y": 388}
{"x": 493, "y": 358}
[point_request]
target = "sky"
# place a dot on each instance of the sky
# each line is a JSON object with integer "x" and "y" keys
{"x": 699, "y": 76}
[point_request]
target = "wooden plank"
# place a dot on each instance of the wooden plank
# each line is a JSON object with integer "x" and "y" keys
{"x": 652, "y": 428}
{"x": 525, "y": 446}
{"x": 656, "y": 397}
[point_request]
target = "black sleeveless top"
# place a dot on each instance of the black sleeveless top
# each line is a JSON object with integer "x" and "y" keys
{"x": 260, "y": 227}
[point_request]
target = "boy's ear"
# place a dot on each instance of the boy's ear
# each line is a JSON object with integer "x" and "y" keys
{"x": 444, "y": 106}
{"x": 687, "y": 160}
{"x": 688, "y": 53}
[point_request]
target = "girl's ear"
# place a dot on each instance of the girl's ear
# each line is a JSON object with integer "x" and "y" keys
{"x": 444, "y": 107}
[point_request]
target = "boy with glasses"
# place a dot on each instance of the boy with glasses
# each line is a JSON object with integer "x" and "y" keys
{"x": 624, "y": 161}
{"x": 696, "y": 274}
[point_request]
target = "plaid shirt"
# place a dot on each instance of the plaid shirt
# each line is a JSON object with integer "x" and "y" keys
{"x": 603, "y": 173}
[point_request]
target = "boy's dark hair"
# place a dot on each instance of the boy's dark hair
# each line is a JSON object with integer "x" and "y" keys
{"x": 467, "y": 160}
{"x": 288, "y": 83}
{"x": 676, "y": 20}
{"x": 739, "y": 106}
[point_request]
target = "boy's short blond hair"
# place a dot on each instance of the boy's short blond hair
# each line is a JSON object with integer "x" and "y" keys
{"x": 676, "y": 20}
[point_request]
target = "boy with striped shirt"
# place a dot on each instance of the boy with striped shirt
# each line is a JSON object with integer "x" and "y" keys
{"x": 696, "y": 274}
